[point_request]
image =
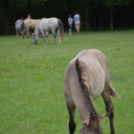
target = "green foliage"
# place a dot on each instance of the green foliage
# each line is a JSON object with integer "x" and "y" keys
{"x": 31, "y": 82}
{"x": 116, "y": 2}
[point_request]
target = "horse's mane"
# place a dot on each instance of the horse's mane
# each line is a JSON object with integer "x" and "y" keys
{"x": 94, "y": 117}
{"x": 36, "y": 30}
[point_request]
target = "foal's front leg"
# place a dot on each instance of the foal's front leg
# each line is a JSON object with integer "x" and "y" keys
{"x": 72, "y": 125}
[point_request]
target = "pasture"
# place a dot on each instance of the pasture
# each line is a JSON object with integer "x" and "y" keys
{"x": 31, "y": 82}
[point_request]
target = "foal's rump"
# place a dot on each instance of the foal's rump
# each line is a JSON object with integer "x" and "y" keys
{"x": 93, "y": 69}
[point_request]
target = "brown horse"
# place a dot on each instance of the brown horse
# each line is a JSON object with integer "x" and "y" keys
{"x": 86, "y": 78}
{"x": 27, "y": 25}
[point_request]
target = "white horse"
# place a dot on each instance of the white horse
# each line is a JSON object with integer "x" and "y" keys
{"x": 49, "y": 24}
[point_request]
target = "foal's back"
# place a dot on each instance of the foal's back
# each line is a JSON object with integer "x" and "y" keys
{"x": 95, "y": 70}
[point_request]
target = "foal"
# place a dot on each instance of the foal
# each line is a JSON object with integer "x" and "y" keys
{"x": 86, "y": 78}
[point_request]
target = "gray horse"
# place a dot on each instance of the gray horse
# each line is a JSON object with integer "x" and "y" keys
{"x": 86, "y": 78}
{"x": 49, "y": 24}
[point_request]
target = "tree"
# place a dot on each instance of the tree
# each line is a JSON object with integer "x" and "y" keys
{"x": 85, "y": 4}
{"x": 111, "y": 4}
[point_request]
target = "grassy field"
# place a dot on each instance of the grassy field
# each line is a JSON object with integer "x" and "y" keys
{"x": 31, "y": 82}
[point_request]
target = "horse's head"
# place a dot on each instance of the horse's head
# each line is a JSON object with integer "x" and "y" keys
{"x": 90, "y": 126}
{"x": 35, "y": 38}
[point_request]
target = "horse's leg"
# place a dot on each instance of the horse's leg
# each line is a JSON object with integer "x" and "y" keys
{"x": 59, "y": 35}
{"x": 109, "y": 108}
{"x": 23, "y": 32}
{"x": 44, "y": 36}
{"x": 72, "y": 124}
{"x": 27, "y": 33}
{"x": 54, "y": 37}
{"x": 53, "y": 31}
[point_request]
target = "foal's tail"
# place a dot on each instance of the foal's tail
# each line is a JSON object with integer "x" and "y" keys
{"x": 113, "y": 92}
{"x": 61, "y": 29}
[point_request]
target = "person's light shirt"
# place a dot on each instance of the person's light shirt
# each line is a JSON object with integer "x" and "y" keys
{"x": 77, "y": 19}
{"x": 18, "y": 23}
{"x": 70, "y": 21}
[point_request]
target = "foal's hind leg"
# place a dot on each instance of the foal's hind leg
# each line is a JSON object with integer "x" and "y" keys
{"x": 72, "y": 125}
{"x": 109, "y": 108}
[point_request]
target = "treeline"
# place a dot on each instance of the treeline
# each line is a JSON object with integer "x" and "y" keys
{"x": 95, "y": 14}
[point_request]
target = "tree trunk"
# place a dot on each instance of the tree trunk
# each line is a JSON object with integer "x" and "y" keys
{"x": 68, "y": 6}
{"x": 128, "y": 20}
{"x": 111, "y": 23}
{"x": 86, "y": 17}
{"x": 6, "y": 25}
{"x": 29, "y": 6}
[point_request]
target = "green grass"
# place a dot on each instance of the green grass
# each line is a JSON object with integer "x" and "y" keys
{"x": 31, "y": 82}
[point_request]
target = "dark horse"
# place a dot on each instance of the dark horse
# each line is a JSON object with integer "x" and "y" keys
{"x": 86, "y": 78}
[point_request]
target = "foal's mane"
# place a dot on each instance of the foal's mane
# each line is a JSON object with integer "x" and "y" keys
{"x": 93, "y": 117}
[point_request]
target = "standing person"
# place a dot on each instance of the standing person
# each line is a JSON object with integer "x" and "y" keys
{"x": 70, "y": 22}
{"x": 77, "y": 21}
{"x": 17, "y": 26}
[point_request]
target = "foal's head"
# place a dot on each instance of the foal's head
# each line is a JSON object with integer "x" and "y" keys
{"x": 35, "y": 38}
{"x": 92, "y": 126}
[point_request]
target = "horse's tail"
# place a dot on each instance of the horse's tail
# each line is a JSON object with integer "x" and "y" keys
{"x": 22, "y": 29}
{"x": 83, "y": 79}
{"x": 22, "y": 26}
{"x": 61, "y": 29}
